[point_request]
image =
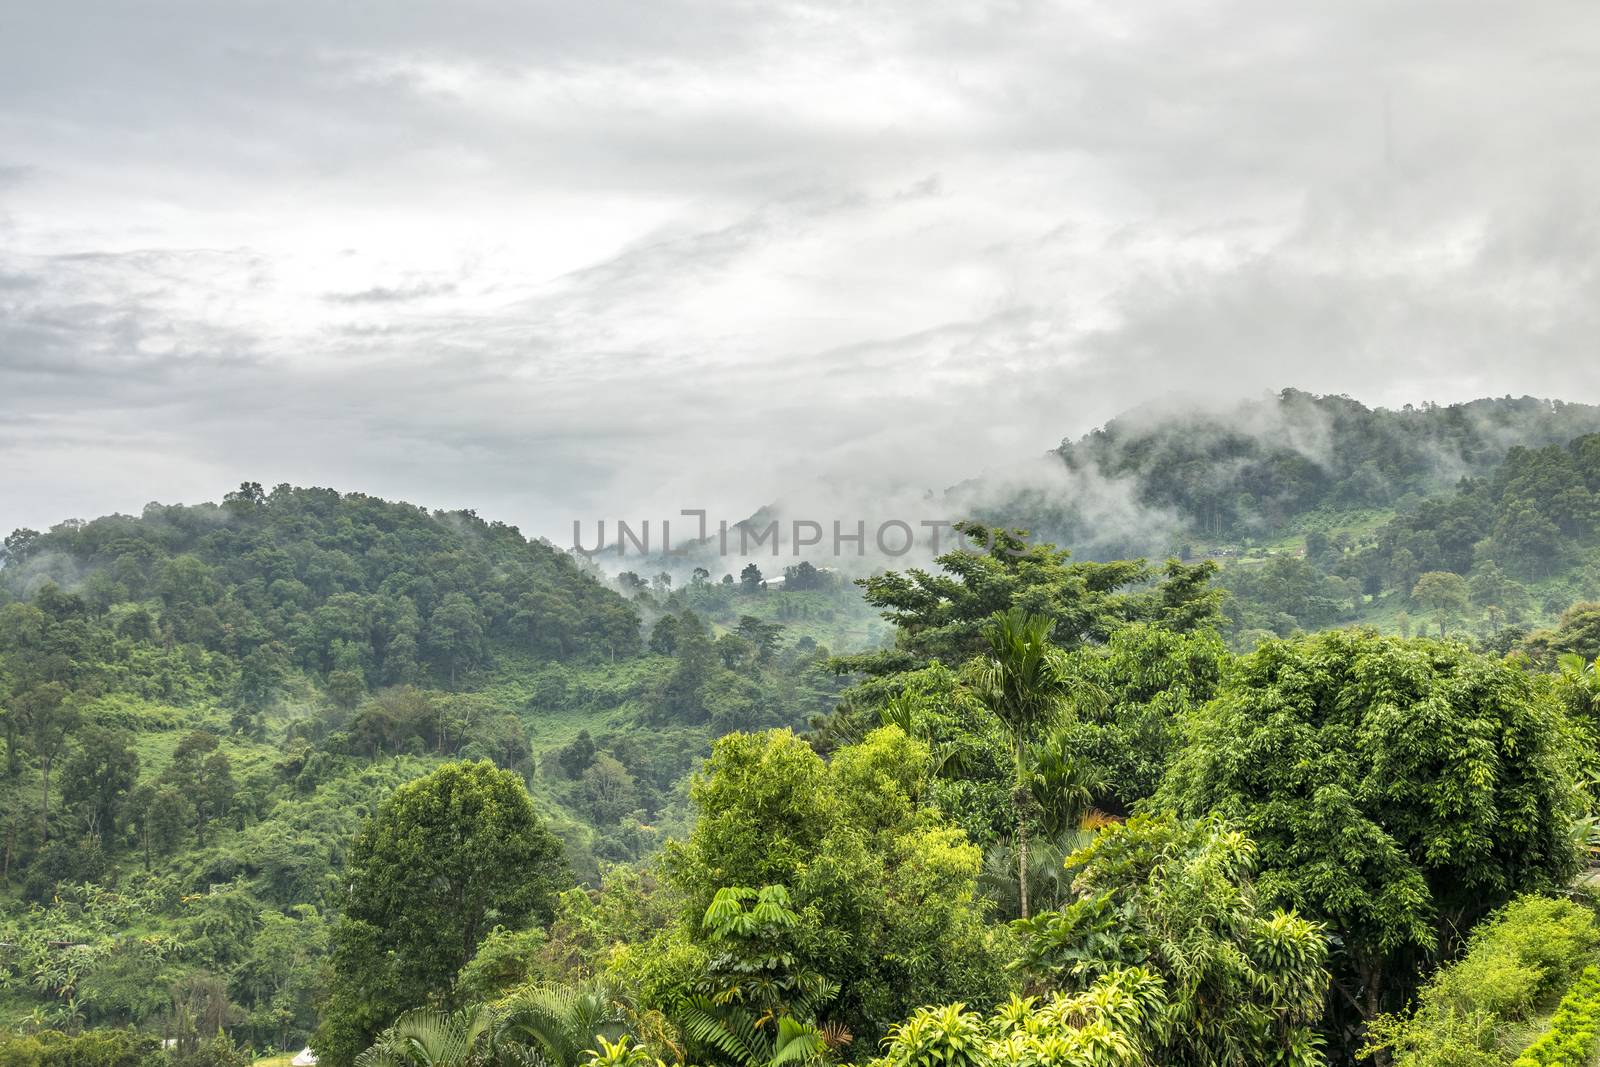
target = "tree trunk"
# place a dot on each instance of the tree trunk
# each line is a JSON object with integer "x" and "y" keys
{"x": 1022, "y": 836}
{"x": 1374, "y": 999}
{"x": 1022, "y": 862}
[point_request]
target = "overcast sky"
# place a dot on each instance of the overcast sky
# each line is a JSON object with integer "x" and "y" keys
{"x": 563, "y": 260}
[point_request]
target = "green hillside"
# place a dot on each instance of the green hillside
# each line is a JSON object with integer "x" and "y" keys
{"x": 201, "y": 705}
{"x": 1314, "y": 775}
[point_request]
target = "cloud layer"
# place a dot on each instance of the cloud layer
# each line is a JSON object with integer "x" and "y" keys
{"x": 555, "y": 261}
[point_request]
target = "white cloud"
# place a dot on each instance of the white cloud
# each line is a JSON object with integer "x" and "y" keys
{"x": 553, "y": 261}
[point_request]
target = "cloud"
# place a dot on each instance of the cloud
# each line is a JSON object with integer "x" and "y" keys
{"x": 390, "y": 294}
{"x": 610, "y": 260}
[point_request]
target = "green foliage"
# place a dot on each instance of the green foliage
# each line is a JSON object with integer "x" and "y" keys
{"x": 1576, "y": 633}
{"x": 1145, "y": 679}
{"x": 620, "y": 1053}
{"x": 428, "y": 1037}
{"x": 1443, "y": 593}
{"x": 757, "y": 1006}
{"x": 945, "y": 615}
{"x": 1112, "y": 1023}
{"x": 89, "y": 1048}
{"x": 885, "y": 889}
{"x": 1393, "y": 788}
{"x": 1243, "y": 984}
{"x": 736, "y": 1038}
{"x": 505, "y": 960}
{"x": 1571, "y": 1039}
{"x": 445, "y": 858}
{"x": 1474, "y": 1011}
{"x": 327, "y": 582}
{"x": 562, "y": 1024}
{"x": 1284, "y": 594}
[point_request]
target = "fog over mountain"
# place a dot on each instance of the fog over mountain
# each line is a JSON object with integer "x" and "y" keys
{"x": 572, "y": 261}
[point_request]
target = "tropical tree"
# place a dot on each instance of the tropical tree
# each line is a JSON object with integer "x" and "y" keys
{"x": 445, "y": 857}
{"x": 1061, "y": 781}
{"x": 1579, "y": 684}
{"x": 734, "y": 1034}
{"x": 1395, "y": 790}
{"x": 944, "y": 614}
{"x": 429, "y": 1037}
{"x": 757, "y": 1004}
{"x": 1113, "y": 1023}
{"x": 1024, "y": 681}
{"x": 98, "y": 778}
{"x": 52, "y": 716}
{"x": 1244, "y": 983}
{"x": 885, "y": 889}
{"x": 563, "y": 1023}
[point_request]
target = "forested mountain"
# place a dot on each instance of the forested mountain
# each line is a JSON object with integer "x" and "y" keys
{"x": 209, "y": 700}
{"x": 311, "y": 766}
{"x": 325, "y": 582}
{"x": 1323, "y": 512}
{"x": 1253, "y": 469}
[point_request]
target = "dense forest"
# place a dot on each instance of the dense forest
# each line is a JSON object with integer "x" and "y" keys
{"x": 1483, "y": 516}
{"x": 1317, "y": 786}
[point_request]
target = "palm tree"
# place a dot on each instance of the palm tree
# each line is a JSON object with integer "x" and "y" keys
{"x": 1024, "y": 682}
{"x": 745, "y": 1041}
{"x": 756, "y": 1006}
{"x": 1049, "y": 879}
{"x": 1581, "y": 679}
{"x": 1063, "y": 783}
{"x": 428, "y": 1037}
{"x": 908, "y": 710}
{"x": 562, "y": 1024}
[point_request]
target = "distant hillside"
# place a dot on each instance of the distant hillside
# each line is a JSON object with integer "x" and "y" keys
{"x": 201, "y": 703}
{"x": 1248, "y": 470}
{"x": 1325, "y": 512}
{"x": 347, "y": 585}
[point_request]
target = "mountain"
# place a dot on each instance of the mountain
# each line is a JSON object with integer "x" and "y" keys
{"x": 1324, "y": 512}
{"x": 202, "y": 703}
{"x": 1255, "y": 469}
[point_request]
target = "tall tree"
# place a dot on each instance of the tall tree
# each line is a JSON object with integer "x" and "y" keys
{"x": 1443, "y": 593}
{"x": 1023, "y": 681}
{"x": 98, "y": 778}
{"x": 51, "y": 714}
{"x": 444, "y": 858}
{"x": 455, "y": 633}
{"x": 945, "y": 614}
{"x": 1396, "y": 790}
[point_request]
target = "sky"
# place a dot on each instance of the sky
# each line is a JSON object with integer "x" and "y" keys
{"x": 558, "y": 261}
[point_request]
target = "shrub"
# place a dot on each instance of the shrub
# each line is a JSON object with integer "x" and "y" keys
{"x": 1570, "y": 1041}
{"x": 1515, "y": 963}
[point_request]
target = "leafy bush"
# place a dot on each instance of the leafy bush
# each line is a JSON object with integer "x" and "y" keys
{"x": 1570, "y": 1041}
{"x": 92, "y": 1048}
{"x": 1473, "y": 1010}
